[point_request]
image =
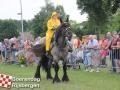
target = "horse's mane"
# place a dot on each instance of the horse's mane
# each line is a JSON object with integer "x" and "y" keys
{"x": 58, "y": 31}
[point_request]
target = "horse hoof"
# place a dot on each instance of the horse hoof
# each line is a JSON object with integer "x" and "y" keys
{"x": 50, "y": 78}
{"x": 37, "y": 76}
{"x": 65, "y": 79}
{"x": 57, "y": 80}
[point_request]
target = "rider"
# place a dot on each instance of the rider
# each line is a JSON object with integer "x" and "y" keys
{"x": 52, "y": 24}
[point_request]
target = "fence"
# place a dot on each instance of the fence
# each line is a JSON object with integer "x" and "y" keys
{"x": 111, "y": 58}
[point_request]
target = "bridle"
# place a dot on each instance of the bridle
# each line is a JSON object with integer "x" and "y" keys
{"x": 64, "y": 31}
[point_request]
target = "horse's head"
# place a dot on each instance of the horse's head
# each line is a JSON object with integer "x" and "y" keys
{"x": 65, "y": 28}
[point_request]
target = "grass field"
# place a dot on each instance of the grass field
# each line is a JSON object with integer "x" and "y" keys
{"x": 79, "y": 80}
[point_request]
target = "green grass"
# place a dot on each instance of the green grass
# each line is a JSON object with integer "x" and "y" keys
{"x": 79, "y": 80}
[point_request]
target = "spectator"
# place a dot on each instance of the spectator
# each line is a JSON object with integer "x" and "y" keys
{"x": 75, "y": 46}
{"x": 20, "y": 45}
{"x": 36, "y": 41}
{"x": 13, "y": 47}
{"x": 95, "y": 37}
{"x": 104, "y": 51}
{"x": 109, "y": 40}
{"x": 39, "y": 38}
{"x": 86, "y": 51}
{"x": 0, "y": 52}
{"x": 93, "y": 45}
{"x": 3, "y": 49}
{"x": 8, "y": 50}
{"x": 32, "y": 57}
{"x": 32, "y": 41}
{"x": 75, "y": 41}
{"x": 29, "y": 53}
{"x": 116, "y": 49}
{"x": 79, "y": 42}
{"x": 26, "y": 42}
{"x": 71, "y": 54}
{"x": 27, "y": 50}
{"x": 79, "y": 56}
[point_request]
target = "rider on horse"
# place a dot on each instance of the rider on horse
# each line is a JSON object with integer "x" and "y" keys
{"x": 52, "y": 24}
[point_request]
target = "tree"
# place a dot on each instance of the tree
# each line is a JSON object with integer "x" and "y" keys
{"x": 111, "y": 6}
{"x": 115, "y": 25}
{"x": 60, "y": 10}
{"x": 39, "y": 22}
{"x": 95, "y": 11}
{"x": 8, "y": 29}
{"x": 98, "y": 11}
{"x": 81, "y": 29}
{"x": 75, "y": 27}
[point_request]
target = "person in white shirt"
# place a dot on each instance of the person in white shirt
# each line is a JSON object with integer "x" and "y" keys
{"x": 79, "y": 56}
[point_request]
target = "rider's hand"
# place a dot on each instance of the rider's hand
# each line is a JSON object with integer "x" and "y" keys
{"x": 54, "y": 27}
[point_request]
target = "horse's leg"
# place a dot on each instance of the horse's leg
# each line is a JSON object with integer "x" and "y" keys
{"x": 37, "y": 73}
{"x": 56, "y": 68}
{"x": 65, "y": 76}
{"x": 49, "y": 76}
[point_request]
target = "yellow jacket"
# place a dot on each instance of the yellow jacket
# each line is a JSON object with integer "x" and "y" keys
{"x": 51, "y": 23}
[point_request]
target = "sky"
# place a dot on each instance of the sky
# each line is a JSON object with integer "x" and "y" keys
{"x": 10, "y": 8}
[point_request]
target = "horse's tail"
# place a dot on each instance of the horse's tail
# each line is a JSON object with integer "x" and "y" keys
{"x": 44, "y": 63}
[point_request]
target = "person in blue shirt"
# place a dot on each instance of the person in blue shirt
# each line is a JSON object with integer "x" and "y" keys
{"x": 71, "y": 54}
{"x": 0, "y": 52}
{"x": 86, "y": 51}
{"x": 20, "y": 45}
{"x": 79, "y": 56}
{"x": 8, "y": 50}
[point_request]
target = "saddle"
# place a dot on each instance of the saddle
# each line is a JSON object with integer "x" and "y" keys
{"x": 39, "y": 49}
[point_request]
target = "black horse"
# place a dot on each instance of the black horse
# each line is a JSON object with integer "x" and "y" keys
{"x": 58, "y": 51}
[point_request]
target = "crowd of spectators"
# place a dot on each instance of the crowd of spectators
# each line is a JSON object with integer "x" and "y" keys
{"x": 92, "y": 52}
{"x": 11, "y": 48}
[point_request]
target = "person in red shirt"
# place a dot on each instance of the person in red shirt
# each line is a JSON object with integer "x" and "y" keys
{"x": 79, "y": 42}
{"x": 103, "y": 46}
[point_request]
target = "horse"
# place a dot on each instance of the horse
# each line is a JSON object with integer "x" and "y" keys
{"x": 58, "y": 51}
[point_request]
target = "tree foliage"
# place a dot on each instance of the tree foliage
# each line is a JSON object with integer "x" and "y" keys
{"x": 8, "y": 29}
{"x": 111, "y": 6}
{"x": 95, "y": 11}
{"x": 115, "y": 23}
{"x": 98, "y": 11}
{"x": 84, "y": 28}
{"x": 39, "y": 22}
